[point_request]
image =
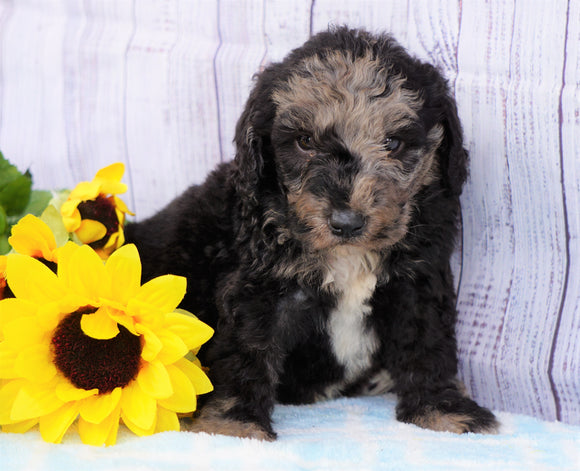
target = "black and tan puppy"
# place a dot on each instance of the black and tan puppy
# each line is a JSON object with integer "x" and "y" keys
{"x": 320, "y": 254}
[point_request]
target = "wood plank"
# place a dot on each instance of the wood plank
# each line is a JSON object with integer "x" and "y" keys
{"x": 94, "y": 78}
{"x": 148, "y": 101}
{"x": 286, "y": 26}
{"x": 565, "y": 362}
{"x": 193, "y": 98}
{"x": 513, "y": 267}
{"x": 239, "y": 56}
{"x": 32, "y": 127}
{"x": 374, "y": 15}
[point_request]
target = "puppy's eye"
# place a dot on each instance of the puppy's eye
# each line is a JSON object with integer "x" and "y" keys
{"x": 305, "y": 142}
{"x": 393, "y": 144}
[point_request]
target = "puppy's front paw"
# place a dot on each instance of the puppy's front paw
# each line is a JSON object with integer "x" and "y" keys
{"x": 457, "y": 415}
{"x": 213, "y": 419}
{"x": 234, "y": 428}
{"x": 440, "y": 421}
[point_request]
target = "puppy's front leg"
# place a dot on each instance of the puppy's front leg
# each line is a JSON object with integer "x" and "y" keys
{"x": 422, "y": 358}
{"x": 244, "y": 360}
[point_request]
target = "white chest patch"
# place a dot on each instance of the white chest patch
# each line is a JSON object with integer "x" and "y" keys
{"x": 351, "y": 275}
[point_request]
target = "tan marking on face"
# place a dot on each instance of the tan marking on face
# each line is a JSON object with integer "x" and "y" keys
{"x": 312, "y": 211}
{"x": 361, "y": 103}
{"x": 349, "y": 95}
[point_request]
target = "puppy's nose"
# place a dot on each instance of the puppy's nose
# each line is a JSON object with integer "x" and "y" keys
{"x": 346, "y": 223}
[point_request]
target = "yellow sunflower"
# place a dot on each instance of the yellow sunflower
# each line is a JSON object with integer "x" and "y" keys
{"x": 33, "y": 237}
{"x": 95, "y": 213}
{"x": 90, "y": 342}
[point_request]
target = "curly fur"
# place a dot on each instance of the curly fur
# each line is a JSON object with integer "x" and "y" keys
{"x": 321, "y": 252}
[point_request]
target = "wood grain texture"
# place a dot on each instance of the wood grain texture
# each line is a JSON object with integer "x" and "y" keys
{"x": 514, "y": 247}
{"x": 564, "y": 365}
{"x": 159, "y": 85}
{"x": 487, "y": 237}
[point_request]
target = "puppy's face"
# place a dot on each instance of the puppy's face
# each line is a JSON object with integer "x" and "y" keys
{"x": 351, "y": 151}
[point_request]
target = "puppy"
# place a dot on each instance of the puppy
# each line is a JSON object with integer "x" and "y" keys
{"x": 320, "y": 254}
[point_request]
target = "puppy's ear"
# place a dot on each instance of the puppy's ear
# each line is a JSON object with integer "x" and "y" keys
{"x": 453, "y": 156}
{"x": 249, "y": 160}
{"x": 252, "y": 141}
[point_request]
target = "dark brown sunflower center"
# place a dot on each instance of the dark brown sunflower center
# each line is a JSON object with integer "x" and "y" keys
{"x": 92, "y": 363}
{"x": 101, "y": 209}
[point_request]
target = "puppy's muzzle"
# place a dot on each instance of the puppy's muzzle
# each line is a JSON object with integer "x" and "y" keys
{"x": 346, "y": 223}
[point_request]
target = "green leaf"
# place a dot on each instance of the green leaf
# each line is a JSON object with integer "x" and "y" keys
{"x": 58, "y": 198}
{"x": 38, "y": 202}
{"x": 8, "y": 172}
{"x": 4, "y": 245}
{"x": 3, "y": 222}
{"x": 15, "y": 195}
{"x": 53, "y": 219}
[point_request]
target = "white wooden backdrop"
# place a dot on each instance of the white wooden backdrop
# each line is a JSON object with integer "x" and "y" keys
{"x": 159, "y": 84}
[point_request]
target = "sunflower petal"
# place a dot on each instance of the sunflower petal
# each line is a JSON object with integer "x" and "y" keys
{"x": 154, "y": 380}
{"x": 139, "y": 431}
{"x": 151, "y": 345}
{"x": 22, "y": 333}
{"x": 14, "y": 308}
{"x": 97, "y": 408}
{"x": 99, "y": 325}
{"x": 102, "y": 433}
{"x": 115, "y": 418}
{"x": 67, "y": 392}
{"x": 183, "y": 398}
{"x": 71, "y": 216}
{"x": 90, "y": 231}
{"x": 109, "y": 178}
{"x": 31, "y": 280}
{"x": 167, "y": 421}
{"x": 31, "y": 236}
{"x": 65, "y": 259}
{"x": 34, "y": 401}
{"x": 196, "y": 375}
{"x": 123, "y": 319}
{"x": 124, "y": 267}
{"x": 113, "y": 188}
{"x": 122, "y": 207}
{"x": 120, "y": 236}
{"x": 173, "y": 347}
{"x": 138, "y": 407}
{"x": 85, "y": 191}
{"x": 8, "y": 394}
{"x": 49, "y": 315}
{"x": 164, "y": 292}
{"x": 112, "y": 172}
{"x": 19, "y": 427}
{"x": 53, "y": 426}
{"x": 86, "y": 275}
{"x": 190, "y": 329}
{"x": 8, "y": 357}
{"x": 33, "y": 363}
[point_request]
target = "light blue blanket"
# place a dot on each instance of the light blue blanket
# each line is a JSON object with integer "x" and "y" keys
{"x": 347, "y": 434}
